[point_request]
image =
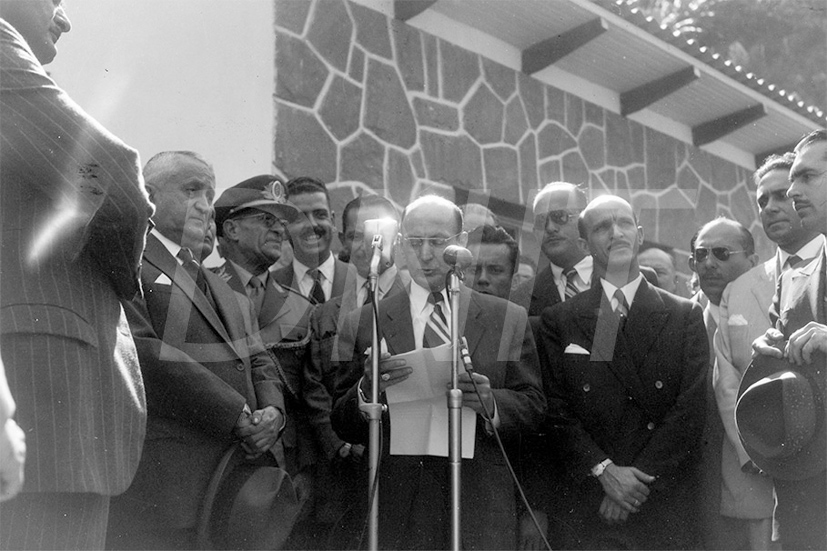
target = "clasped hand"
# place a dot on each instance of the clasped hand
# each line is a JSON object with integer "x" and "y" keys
{"x": 259, "y": 430}
{"x": 626, "y": 488}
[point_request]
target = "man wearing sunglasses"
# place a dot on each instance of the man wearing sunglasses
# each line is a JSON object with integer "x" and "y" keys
{"x": 800, "y": 336}
{"x": 746, "y": 494}
{"x": 722, "y": 250}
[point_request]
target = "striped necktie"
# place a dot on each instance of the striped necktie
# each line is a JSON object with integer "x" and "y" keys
{"x": 316, "y": 293}
{"x": 571, "y": 287}
{"x": 192, "y": 268}
{"x": 437, "y": 332}
{"x": 622, "y": 309}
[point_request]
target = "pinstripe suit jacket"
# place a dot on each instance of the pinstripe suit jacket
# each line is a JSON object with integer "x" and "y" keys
{"x": 73, "y": 218}
{"x": 201, "y": 365}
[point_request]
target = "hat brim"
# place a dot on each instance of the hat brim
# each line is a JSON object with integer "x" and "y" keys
{"x": 811, "y": 459}
{"x": 283, "y": 211}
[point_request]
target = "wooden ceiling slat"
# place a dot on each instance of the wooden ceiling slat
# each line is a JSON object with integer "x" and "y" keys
{"x": 645, "y": 95}
{"x": 547, "y": 52}
{"x": 715, "y": 129}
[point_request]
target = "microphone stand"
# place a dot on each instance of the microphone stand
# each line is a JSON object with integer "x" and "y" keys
{"x": 373, "y": 409}
{"x": 454, "y": 395}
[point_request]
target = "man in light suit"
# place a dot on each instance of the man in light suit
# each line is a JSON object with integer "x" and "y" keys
{"x": 414, "y": 495}
{"x": 627, "y": 364}
{"x": 74, "y": 218}
{"x": 315, "y": 272}
{"x": 209, "y": 380}
{"x": 746, "y": 494}
{"x": 800, "y": 334}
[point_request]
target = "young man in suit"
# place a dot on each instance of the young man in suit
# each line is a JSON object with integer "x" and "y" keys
{"x": 74, "y": 218}
{"x": 315, "y": 272}
{"x": 746, "y": 493}
{"x": 627, "y": 364}
{"x": 800, "y": 336}
{"x": 209, "y": 380}
{"x": 414, "y": 496}
{"x": 495, "y": 260}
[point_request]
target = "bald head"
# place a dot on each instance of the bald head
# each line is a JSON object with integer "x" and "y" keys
{"x": 609, "y": 226}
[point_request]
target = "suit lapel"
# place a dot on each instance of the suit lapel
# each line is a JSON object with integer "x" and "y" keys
{"x": 396, "y": 325}
{"x": 546, "y": 288}
{"x": 159, "y": 256}
{"x": 647, "y": 318}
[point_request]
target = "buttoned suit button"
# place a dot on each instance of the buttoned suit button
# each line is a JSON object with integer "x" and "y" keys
{"x": 239, "y": 366}
{"x": 587, "y": 387}
{"x": 650, "y": 425}
{"x": 658, "y": 385}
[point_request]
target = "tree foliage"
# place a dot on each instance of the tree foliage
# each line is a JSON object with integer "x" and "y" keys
{"x": 783, "y": 42}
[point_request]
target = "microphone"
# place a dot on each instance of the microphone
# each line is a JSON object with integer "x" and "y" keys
{"x": 457, "y": 257}
{"x": 466, "y": 356}
{"x": 381, "y": 234}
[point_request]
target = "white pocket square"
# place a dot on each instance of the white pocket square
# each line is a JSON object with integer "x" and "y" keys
{"x": 576, "y": 349}
{"x": 163, "y": 279}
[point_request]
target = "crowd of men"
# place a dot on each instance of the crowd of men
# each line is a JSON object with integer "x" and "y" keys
{"x": 634, "y": 416}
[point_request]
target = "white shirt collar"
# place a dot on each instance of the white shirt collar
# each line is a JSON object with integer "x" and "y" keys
{"x": 168, "y": 244}
{"x": 385, "y": 282}
{"x": 810, "y": 250}
{"x": 583, "y": 268}
{"x": 419, "y": 300}
{"x": 629, "y": 290}
{"x": 246, "y": 276}
{"x": 326, "y": 268}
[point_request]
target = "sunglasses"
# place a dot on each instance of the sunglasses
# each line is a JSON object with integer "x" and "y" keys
{"x": 560, "y": 217}
{"x": 721, "y": 253}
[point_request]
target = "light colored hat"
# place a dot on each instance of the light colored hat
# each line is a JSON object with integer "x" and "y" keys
{"x": 264, "y": 192}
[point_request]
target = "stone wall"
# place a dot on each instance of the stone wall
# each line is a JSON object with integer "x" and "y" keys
{"x": 367, "y": 102}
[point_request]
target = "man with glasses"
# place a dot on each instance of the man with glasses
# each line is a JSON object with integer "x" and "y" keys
{"x": 556, "y": 208}
{"x": 800, "y": 336}
{"x": 746, "y": 494}
{"x": 414, "y": 491}
{"x": 722, "y": 250}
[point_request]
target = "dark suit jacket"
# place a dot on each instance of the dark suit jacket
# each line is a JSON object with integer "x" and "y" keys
{"x": 284, "y": 322}
{"x": 638, "y": 399}
{"x": 73, "y": 218}
{"x": 201, "y": 365}
{"x": 414, "y": 490}
{"x": 286, "y": 278}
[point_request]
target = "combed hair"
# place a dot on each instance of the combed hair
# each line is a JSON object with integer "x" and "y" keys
{"x": 747, "y": 241}
{"x": 306, "y": 184}
{"x": 370, "y": 200}
{"x": 496, "y": 235}
{"x": 163, "y": 161}
{"x": 773, "y": 162}
{"x": 579, "y": 193}
{"x": 819, "y": 135}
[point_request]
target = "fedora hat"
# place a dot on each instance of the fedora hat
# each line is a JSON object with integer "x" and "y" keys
{"x": 248, "y": 505}
{"x": 780, "y": 416}
{"x": 265, "y": 193}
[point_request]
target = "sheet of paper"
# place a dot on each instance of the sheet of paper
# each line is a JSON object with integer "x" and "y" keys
{"x": 418, "y": 407}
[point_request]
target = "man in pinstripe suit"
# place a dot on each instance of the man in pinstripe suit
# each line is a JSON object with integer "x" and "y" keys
{"x": 74, "y": 214}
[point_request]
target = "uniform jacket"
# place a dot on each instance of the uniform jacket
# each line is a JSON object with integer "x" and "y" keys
{"x": 501, "y": 347}
{"x": 201, "y": 365}
{"x": 73, "y": 218}
{"x": 635, "y": 396}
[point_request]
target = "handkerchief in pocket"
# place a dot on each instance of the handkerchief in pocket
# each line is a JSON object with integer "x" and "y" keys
{"x": 576, "y": 349}
{"x": 163, "y": 279}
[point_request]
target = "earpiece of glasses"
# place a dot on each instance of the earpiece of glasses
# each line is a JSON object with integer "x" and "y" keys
{"x": 721, "y": 253}
{"x": 434, "y": 242}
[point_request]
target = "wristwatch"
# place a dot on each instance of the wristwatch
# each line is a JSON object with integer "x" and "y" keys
{"x": 598, "y": 469}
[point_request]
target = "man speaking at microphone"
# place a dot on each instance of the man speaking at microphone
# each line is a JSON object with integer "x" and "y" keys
{"x": 414, "y": 491}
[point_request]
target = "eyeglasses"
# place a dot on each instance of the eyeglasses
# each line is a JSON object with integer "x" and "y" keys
{"x": 560, "y": 217}
{"x": 721, "y": 253}
{"x": 268, "y": 220}
{"x": 434, "y": 242}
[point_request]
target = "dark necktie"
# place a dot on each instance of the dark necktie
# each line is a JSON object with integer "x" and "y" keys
{"x": 316, "y": 293}
{"x": 192, "y": 268}
{"x": 255, "y": 290}
{"x": 571, "y": 287}
{"x": 622, "y": 309}
{"x": 793, "y": 261}
{"x": 437, "y": 332}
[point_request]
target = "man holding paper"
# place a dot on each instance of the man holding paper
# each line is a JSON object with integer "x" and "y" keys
{"x": 414, "y": 496}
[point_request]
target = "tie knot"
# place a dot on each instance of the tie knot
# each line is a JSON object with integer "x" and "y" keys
{"x": 435, "y": 298}
{"x": 255, "y": 283}
{"x": 793, "y": 261}
{"x": 316, "y": 274}
{"x": 185, "y": 255}
{"x": 570, "y": 273}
